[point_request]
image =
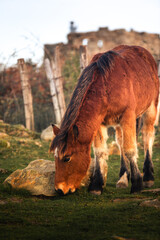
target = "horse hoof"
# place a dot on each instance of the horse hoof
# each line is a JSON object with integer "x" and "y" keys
{"x": 148, "y": 184}
{"x": 121, "y": 184}
{"x": 123, "y": 181}
{"x": 137, "y": 185}
{"x": 96, "y": 192}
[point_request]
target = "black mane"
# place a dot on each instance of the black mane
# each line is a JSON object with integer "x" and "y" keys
{"x": 102, "y": 63}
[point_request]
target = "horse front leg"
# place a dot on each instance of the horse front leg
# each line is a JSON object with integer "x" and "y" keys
{"x": 128, "y": 125}
{"x": 99, "y": 175}
{"x": 124, "y": 173}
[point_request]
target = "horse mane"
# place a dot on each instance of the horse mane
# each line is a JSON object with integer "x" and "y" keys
{"x": 100, "y": 64}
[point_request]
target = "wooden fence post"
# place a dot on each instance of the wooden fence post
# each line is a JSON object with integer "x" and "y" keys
{"x": 56, "y": 67}
{"x": 27, "y": 94}
{"x": 83, "y": 57}
{"x": 53, "y": 90}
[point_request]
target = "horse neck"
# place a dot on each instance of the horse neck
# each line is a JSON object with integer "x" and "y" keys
{"x": 93, "y": 110}
{"x": 89, "y": 121}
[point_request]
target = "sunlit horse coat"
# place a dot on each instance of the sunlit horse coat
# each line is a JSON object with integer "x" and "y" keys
{"x": 117, "y": 88}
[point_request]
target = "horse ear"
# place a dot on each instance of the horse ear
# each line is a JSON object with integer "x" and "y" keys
{"x": 55, "y": 129}
{"x": 75, "y": 131}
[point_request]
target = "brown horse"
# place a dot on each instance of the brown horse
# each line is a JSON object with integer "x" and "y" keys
{"x": 117, "y": 88}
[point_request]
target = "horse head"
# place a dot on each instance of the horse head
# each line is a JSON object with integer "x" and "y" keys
{"x": 72, "y": 159}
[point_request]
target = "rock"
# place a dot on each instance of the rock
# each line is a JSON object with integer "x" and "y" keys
{"x": 20, "y": 126}
{"x": 47, "y": 134}
{"x": 151, "y": 203}
{"x": 121, "y": 238}
{"x": 37, "y": 178}
{"x": 2, "y": 202}
{"x": 24, "y": 134}
{"x": 3, "y": 135}
{"x": 24, "y": 140}
{"x": 4, "y": 143}
{"x": 2, "y": 170}
{"x": 156, "y": 190}
{"x": 113, "y": 149}
{"x": 37, "y": 143}
{"x": 129, "y": 199}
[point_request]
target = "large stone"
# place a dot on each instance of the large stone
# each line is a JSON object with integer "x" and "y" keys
{"x": 37, "y": 178}
{"x": 47, "y": 134}
{"x": 151, "y": 203}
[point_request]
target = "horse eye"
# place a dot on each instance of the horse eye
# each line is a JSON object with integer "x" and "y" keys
{"x": 66, "y": 159}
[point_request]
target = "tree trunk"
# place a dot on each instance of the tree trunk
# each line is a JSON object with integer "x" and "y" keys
{"x": 27, "y": 94}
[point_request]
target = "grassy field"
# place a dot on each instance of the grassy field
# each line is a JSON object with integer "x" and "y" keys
{"x": 116, "y": 214}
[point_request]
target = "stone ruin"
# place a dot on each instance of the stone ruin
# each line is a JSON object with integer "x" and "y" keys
{"x": 104, "y": 40}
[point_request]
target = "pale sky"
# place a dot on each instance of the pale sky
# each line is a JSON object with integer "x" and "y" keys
{"x": 25, "y": 25}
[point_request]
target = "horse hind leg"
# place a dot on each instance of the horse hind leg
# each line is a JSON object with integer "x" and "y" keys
{"x": 124, "y": 174}
{"x": 148, "y": 138}
{"x": 99, "y": 175}
{"x": 124, "y": 170}
{"x": 128, "y": 124}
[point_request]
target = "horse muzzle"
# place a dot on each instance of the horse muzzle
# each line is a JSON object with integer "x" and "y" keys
{"x": 62, "y": 190}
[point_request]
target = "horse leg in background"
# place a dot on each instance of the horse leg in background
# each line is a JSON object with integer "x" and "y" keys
{"x": 128, "y": 124}
{"x": 124, "y": 170}
{"x": 99, "y": 175}
{"x": 149, "y": 118}
{"x": 139, "y": 124}
{"x": 158, "y": 112}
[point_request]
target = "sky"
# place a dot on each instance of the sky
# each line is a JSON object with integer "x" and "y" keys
{"x": 26, "y": 25}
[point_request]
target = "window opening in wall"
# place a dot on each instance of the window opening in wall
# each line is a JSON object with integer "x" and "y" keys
{"x": 85, "y": 42}
{"x": 100, "y": 43}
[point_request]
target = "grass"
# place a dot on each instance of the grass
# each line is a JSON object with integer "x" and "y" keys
{"x": 116, "y": 214}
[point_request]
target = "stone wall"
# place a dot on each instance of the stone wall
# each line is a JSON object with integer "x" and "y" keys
{"x": 104, "y": 40}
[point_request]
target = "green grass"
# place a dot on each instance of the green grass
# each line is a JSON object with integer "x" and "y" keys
{"x": 78, "y": 216}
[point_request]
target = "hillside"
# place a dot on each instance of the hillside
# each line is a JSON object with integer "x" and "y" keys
{"x": 19, "y": 146}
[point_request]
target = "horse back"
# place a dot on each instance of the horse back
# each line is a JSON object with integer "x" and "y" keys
{"x": 134, "y": 81}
